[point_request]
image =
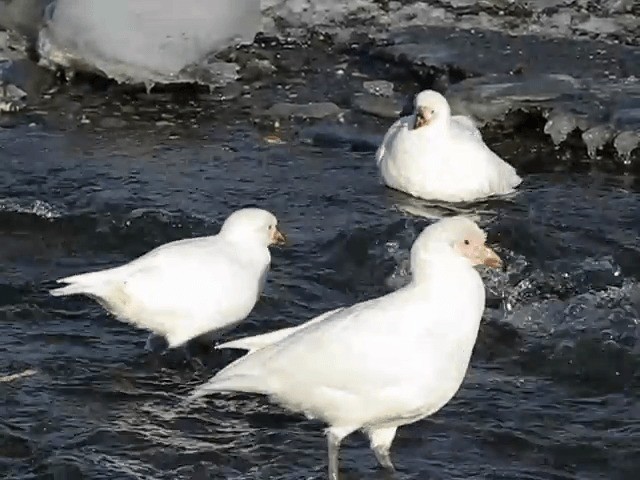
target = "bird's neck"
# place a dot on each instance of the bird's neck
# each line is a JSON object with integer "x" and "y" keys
{"x": 248, "y": 248}
{"x": 449, "y": 277}
{"x": 438, "y": 127}
{"x": 456, "y": 291}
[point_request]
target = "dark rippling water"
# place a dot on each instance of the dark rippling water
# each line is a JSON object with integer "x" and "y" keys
{"x": 552, "y": 392}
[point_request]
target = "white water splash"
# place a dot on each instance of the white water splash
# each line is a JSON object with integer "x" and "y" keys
{"x": 36, "y": 207}
{"x": 16, "y": 376}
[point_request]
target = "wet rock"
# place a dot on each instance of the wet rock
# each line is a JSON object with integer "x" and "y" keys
{"x": 12, "y": 99}
{"x": 307, "y": 110}
{"x": 487, "y": 52}
{"x": 490, "y": 98}
{"x": 26, "y": 75}
{"x": 9, "y": 121}
{"x": 542, "y": 5}
{"x": 460, "y": 3}
{"x": 618, "y": 6}
{"x": 23, "y": 16}
{"x": 379, "y": 87}
{"x": 559, "y": 23}
{"x": 575, "y": 85}
{"x": 211, "y": 72}
{"x": 112, "y": 122}
{"x": 598, "y": 25}
{"x": 383, "y": 107}
{"x": 230, "y": 91}
{"x": 257, "y": 69}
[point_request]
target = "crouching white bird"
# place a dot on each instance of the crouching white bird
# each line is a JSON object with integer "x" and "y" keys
{"x": 189, "y": 287}
{"x": 435, "y": 156}
{"x": 382, "y": 363}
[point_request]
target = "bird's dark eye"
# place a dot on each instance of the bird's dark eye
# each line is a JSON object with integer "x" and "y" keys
{"x": 466, "y": 242}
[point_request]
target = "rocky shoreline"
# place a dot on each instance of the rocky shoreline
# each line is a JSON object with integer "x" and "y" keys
{"x": 576, "y": 80}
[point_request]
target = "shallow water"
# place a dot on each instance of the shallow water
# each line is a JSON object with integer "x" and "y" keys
{"x": 553, "y": 390}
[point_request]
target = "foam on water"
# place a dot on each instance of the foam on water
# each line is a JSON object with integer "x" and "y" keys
{"x": 35, "y": 207}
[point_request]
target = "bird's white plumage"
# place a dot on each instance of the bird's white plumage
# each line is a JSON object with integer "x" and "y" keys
{"x": 189, "y": 287}
{"x": 257, "y": 342}
{"x": 445, "y": 159}
{"x": 381, "y": 363}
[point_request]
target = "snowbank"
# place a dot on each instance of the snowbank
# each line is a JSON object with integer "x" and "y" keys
{"x": 146, "y": 40}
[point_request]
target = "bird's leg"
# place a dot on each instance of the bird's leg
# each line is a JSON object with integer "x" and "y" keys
{"x": 334, "y": 437}
{"x": 195, "y": 362}
{"x": 381, "y": 439}
{"x": 334, "y": 450}
{"x": 154, "y": 343}
{"x": 148, "y": 346}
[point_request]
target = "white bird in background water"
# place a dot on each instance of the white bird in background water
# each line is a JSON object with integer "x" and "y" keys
{"x": 190, "y": 287}
{"x": 379, "y": 364}
{"x": 435, "y": 156}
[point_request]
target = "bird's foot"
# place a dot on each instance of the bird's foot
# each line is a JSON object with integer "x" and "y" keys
{"x": 384, "y": 459}
{"x": 155, "y": 343}
{"x": 194, "y": 362}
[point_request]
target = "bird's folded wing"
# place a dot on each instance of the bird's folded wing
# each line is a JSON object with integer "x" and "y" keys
{"x": 189, "y": 283}
{"x": 389, "y": 137}
{"x": 256, "y": 342}
{"x": 361, "y": 342}
{"x": 465, "y": 126}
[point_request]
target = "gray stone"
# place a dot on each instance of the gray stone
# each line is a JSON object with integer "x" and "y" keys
{"x": 112, "y": 122}
{"x": 307, "y": 110}
{"x": 383, "y": 107}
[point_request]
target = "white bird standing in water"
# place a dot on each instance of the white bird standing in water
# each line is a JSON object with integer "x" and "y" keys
{"x": 189, "y": 287}
{"x": 382, "y": 363}
{"x": 435, "y": 156}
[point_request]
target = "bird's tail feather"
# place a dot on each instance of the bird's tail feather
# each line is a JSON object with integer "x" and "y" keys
{"x": 68, "y": 290}
{"x": 232, "y": 383}
{"x": 81, "y": 284}
{"x": 257, "y": 342}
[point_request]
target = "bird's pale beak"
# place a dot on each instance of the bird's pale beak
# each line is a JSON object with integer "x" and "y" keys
{"x": 491, "y": 258}
{"x": 423, "y": 117}
{"x": 278, "y": 238}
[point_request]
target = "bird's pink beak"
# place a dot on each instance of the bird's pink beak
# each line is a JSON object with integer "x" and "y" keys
{"x": 423, "y": 117}
{"x": 278, "y": 238}
{"x": 491, "y": 258}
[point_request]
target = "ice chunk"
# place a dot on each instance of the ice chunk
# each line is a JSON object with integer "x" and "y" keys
{"x": 626, "y": 143}
{"x": 379, "y": 87}
{"x": 560, "y": 125}
{"x": 146, "y": 40}
{"x": 22, "y": 16}
{"x": 595, "y": 138}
